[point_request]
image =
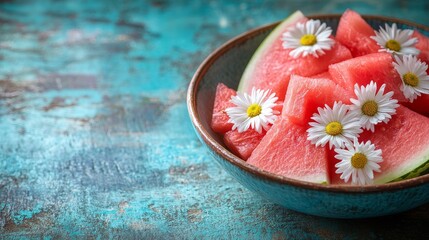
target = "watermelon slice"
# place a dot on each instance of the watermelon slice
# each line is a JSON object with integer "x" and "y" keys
{"x": 220, "y": 119}
{"x": 404, "y": 142}
{"x": 285, "y": 151}
{"x": 271, "y": 66}
{"x": 326, "y": 75}
{"x": 420, "y": 105}
{"x": 242, "y": 144}
{"x": 355, "y": 33}
{"x": 361, "y": 70}
{"x": 305, "y": 95}
{"x": 422, "y": 45}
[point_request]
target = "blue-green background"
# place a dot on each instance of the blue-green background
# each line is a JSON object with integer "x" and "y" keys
{"x": 95, "y": 139}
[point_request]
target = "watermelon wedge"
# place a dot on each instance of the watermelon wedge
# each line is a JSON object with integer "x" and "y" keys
{"x": 242, "y": 144}
{"x": 220, "y": 119}
{"x": 420, "y": 105}
{"x": 285, "y": 151}
{"x": 271, "y": 66}
{"x": 355, "y": 33}
{"x": 422, "y": 45}
{"x": 404, "y": 142}
{"x": 362, "y": 70}
{"x": 305, "y": 95}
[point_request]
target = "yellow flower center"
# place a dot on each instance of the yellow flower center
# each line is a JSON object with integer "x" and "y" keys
{"x": 334, "y": 128}
{"x": 411, "y": 79}
{"x": 308, "y": 40}
{"x": 254, "y": 110}
{"x": 370, "y": 108}
{"x": 359, "y": 160}
{"x": 393, "y": 45}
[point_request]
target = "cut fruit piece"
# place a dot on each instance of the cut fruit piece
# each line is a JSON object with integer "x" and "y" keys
{"x": 220, "y": 119}
{"x": 271, "y": 65}
{"x": 404, "y": 142}
{"x": 355, "y": 33}
{"x": 286, "y": 151}
{"x": 420, "y": 105}
{"x": 422, "y": 45}
{"x": 323, "y": 75}
{"x": 362, "y": 70}
{"x": 242, "y": 144}
{"x": 305, "y": 95}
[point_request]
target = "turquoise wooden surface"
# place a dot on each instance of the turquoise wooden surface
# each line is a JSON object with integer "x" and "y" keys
{"x": 95, "y": 136}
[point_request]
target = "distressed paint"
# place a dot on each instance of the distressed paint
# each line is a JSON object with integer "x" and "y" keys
{"x": 95, "y": 136}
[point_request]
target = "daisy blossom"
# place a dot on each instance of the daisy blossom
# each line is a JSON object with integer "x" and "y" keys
{"x": 394, "y": 40}
{"x": 309, "y": 38}
{"x": 335, "y": 125}
{"x": 373, "y": 106}
{"x": 254, "y": 110}
{"x": 359, "y": 161}
{"x": 415, "y": 79}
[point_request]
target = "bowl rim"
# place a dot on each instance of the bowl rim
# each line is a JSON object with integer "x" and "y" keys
{"x": 265, "y": 175}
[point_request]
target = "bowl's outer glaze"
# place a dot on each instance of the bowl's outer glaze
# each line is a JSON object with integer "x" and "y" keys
{"x": 226, "y": 65}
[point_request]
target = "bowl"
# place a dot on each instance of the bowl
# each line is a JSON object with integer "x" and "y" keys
{"x": 226, "y": 64}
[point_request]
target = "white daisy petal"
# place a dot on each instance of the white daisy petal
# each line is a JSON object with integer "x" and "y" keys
{"x": 336, "y": 126}
{"x": 394, "y": 40}
{"x": 358, "y": 162}
{"x": 260, "y": 118}
{"x": 415, "y": 80}
{"x": 309, "y": 38}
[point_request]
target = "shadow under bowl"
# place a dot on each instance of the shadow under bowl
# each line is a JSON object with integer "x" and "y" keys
{"x": 226, "y": 65}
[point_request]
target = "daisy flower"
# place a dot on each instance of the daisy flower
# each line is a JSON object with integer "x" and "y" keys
{"x": 359, "y": 161}
{"x": 415, "y": 79}
{"x": 335, "y": 125}
{"x": 394, "y": 40}
{"x": 373, "y": 107}
{"x": 309, "y": 38}
{"x": 254, "y": 110}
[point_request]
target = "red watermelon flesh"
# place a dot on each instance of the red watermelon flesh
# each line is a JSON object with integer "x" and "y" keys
{"x": 242, "y": 144}
{"x": 286, "y": 151}
{"x": 220, "y": 119}
{"x": 323, "y": 75}
{"x": 404, "y": 142}
{"x": 420, "y": 105}
{"x": 305, "y": 95}
{"x": 422, "y": 45}
{"x": 355, "y": 33}
{"x": 361, "y": 70}
{"x": 271, "y": 66}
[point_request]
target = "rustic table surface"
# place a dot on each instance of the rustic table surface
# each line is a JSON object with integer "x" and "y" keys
{"x": 95, "y": 138}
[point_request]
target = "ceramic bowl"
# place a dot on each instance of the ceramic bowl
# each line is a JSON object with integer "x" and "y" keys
{"x": 226, "y": 64}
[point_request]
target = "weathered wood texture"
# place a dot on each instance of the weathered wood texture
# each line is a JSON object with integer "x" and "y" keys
{"x": 95, "y": 136}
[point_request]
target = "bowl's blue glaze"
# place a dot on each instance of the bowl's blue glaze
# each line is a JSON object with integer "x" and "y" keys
{"x": 226, "y": 65}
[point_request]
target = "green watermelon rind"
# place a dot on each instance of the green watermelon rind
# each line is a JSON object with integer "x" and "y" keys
{"x": 319, "y": 178}
{"x": 267, "y": 42}
{"x": 416, "y": 166}
{"x": 419, "y": 171}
